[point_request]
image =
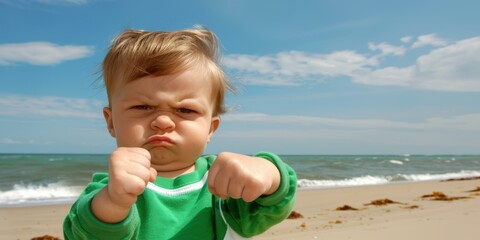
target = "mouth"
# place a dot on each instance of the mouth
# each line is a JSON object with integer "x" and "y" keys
{"x": 159, "y": 141}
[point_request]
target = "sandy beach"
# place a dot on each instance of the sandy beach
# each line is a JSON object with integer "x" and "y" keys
{"x": 412, "y": 215}
{"x": 424, "y": 210}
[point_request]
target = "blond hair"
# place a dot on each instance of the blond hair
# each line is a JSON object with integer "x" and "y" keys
{"x": 135, "y": 54}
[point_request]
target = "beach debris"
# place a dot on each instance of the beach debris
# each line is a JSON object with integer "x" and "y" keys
{"x": 411, "y": 207}
{"x": 346, "y": 208}
{"x": 382, "y": 202}
{"x": 295, "y": 215}
{"x": 303, "y": 226}
{"x": 462, "y": 179}
{"x": 475, "y": 190}
{"x": 46, "y": 237}
{"x": 335, "y": 222}
{"x": 440, "y": 196}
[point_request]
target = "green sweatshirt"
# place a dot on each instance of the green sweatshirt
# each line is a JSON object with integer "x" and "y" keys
{"x": 183, "y": 208}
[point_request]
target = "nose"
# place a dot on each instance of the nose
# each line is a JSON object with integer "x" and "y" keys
{"x": 163, "y": 122}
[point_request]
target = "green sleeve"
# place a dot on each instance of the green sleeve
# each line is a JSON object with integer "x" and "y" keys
{"x": 80, "y": 222}
{"x": 250, "y": 219}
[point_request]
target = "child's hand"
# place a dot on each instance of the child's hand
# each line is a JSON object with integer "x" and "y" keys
{"x": 239, "y": 176}
{"x": 129, "y": 173}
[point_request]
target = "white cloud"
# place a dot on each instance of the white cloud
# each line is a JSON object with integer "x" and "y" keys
{"x": 387, "y": 49}
{"x": 450, "y": 68}
{"x": 294, "y": 67}
{"x": 406, "y": 39}
{"x": 429, "y": 40}
{"x": 465, "y": 122}
{"x": 387, "y": 76}
{"x": 10, "y": 141}
{"x": 50, "y": 107}
{"x": 41, "y": 53}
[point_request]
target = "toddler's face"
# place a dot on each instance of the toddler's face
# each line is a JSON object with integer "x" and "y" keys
{"x": 171, "y": 116}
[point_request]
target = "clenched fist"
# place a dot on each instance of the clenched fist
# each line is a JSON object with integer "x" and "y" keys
{"x": 240, "y": 176}
{"x": 129, "y": 174}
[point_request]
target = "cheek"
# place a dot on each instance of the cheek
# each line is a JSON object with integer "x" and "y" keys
{"x": 196, "y": 141}
{"x": 129, "y": 133}
{"x": 197, "y": 132}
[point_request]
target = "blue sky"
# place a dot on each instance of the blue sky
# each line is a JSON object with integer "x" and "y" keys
{"x": 314, "y": 77}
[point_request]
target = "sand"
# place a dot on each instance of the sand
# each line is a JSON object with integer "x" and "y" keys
{"x": 437, "y": 210}
{"x": 394, "y": 211}
{"x": 28, "y": 222}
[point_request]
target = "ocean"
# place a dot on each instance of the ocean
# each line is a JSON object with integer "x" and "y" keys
{"x": 40, "y": 179}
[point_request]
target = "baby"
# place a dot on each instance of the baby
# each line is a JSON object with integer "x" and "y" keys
{"x": 166, "y": 92}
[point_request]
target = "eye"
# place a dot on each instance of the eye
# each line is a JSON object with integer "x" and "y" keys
{"x": 142, "y": 107}
{"x": 185, "y": 110}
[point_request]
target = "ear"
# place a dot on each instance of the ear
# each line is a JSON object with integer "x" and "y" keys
{"x": 213, "y": 126}
{"x": 107, "y": 114}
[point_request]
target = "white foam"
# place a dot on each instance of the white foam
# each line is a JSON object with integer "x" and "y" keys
{"x": 398, "y": 162}
{"x": 376, "y": 180}
{"x": 357, "y": 181}
{"x": 428, "y": 177}
{"x": 53, "y": 192}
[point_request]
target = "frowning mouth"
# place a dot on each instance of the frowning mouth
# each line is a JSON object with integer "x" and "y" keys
{"x": 157, "y": 141}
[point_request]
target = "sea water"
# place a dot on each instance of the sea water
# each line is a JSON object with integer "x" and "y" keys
{"x": 36, "y": 179}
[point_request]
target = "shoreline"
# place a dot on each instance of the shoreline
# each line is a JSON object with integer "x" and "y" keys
{"x": 408, "y": 216}
{"x": 71, "y": 200}
{"x": 40, "y": 203}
